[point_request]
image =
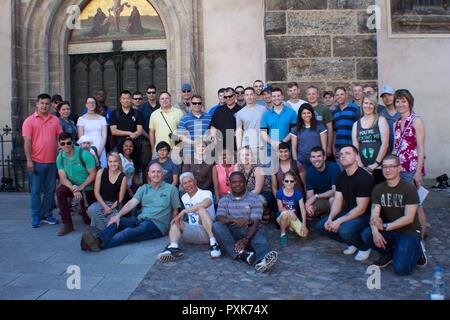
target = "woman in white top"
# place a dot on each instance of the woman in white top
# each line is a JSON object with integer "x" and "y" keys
{"x": 94, "y": 126}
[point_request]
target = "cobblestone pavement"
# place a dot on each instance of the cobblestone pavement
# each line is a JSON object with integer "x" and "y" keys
{"x": 312, "y": 268}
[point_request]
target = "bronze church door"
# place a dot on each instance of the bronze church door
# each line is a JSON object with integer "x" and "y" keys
{"x": 114, "y": 72}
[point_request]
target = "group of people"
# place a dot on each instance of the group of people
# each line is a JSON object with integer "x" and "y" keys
{"x": 146, "y": 170}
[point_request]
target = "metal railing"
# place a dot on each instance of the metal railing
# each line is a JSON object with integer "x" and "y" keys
{"x": 12, "y": 167}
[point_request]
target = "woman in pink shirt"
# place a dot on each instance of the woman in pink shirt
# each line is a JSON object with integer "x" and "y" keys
{"x": 409, "y": 144}
{"x": 221, "y": 175}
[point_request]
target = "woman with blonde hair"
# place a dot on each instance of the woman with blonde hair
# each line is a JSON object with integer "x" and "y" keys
{"x": 370, "y": 135}
{"x": 109, "y": 190}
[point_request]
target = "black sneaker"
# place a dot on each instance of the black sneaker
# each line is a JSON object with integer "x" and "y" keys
{"x": 247, "y": 256}
{"x": 383, "y": 261}
{"x": 170, "y": 254}
{"x": 423, "y": 260}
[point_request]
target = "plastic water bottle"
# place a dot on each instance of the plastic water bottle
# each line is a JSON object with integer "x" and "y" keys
{"x": 437, "y": 290}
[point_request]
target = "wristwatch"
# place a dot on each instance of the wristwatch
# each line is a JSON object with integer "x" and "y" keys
{"x": 385, "y": 226}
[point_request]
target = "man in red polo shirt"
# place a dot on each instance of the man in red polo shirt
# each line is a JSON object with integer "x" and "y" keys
{"x": 40, "y": 133}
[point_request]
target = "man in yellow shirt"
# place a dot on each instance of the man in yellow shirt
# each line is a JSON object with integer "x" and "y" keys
{"x": 164, "y": 122}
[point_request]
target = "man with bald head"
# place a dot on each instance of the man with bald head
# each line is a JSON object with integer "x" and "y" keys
{"x": 160, "y": 203}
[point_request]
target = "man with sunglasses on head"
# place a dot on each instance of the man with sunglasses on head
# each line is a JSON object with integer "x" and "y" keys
{"x": 186, "y": 93}
{"x": 76, "y": 170}
{"x": 40, "y": 133}
{"x": 224, "y": 120}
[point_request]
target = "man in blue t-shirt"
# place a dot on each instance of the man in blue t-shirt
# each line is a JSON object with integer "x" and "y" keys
{"x": 320, "y": 183}
{"x": 277, "y": 122}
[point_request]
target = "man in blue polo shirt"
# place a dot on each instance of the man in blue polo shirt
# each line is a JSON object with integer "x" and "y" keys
{"x": 193, "y": 125}
{"x": 344, "y": 116}
{"x": 277, "y": 122}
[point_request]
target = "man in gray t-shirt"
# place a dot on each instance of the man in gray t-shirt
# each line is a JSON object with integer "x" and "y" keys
{"x": 237, "y": 226}
{"x": 248, "y": 122}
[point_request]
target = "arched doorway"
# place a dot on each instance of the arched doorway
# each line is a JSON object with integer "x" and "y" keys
{"x": 101, "y": 56}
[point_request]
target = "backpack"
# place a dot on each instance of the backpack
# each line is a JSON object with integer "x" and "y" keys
{"x": 80, "y": 158}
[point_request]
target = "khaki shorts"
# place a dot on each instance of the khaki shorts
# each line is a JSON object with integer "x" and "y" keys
{"x": 195, "y": 234}
{"x": 294, "y": 224}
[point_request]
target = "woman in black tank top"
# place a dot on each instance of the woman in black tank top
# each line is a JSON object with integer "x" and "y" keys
{"x": 110, "y": 187}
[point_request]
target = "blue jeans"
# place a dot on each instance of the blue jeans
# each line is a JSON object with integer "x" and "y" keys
{"x": 42, "y": 181}
{"x": 349, "y": 232}
{"x": 405, "y": 249}
{"x": 130, "y": 229}
{"x": 228, "y": 235}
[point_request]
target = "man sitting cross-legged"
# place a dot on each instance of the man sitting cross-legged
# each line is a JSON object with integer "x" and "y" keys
{"x": 237, "y": 229}
{"x": 200, "y": 213}
{"x": 160, "y": 203}
{"x": 395, "y": 229}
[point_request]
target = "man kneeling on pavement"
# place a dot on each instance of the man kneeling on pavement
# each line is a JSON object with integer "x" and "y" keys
{"x": 200, "y": 214}
{"x": 237, "y": 227}
{"x": 395, "y": 229}
{"x": 160, "y": 203}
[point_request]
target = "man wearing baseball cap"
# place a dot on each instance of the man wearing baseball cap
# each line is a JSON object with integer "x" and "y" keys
{"x": 390, "y": 112}
{"x": 185, "y": 105}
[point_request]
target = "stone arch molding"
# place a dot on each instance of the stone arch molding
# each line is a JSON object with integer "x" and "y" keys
{"x": 45, "y": 39}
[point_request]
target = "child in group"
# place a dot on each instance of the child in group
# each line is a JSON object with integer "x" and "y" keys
{"x": 290, "y": 207}
{"x": 85, "y": 142}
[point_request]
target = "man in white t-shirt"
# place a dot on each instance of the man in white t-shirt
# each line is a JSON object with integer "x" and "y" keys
{"x": 294, "y": 96}
{"x": 200, "y": 214}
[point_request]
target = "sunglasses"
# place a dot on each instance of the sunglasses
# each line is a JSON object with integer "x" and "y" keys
{"x": 186, "y": 91}
{"x": 228, "y": 97}
{"x": 137, "y": 98}
{"x": 196, "y": 103}
{"x": 240, "y": 92}
{"x": 151, "y": 92}
{"x": 63, "y": 143}
{"x": 289, "y": 181}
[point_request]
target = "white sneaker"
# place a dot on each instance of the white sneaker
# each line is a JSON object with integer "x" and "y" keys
{"x": 363, "y": 255}
{"x": 267, "y": 262}
{"x": 350, "y": 250}
{"x": 215, "y": 251}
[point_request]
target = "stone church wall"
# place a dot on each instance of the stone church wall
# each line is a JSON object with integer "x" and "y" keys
{"x": 321, "y": 42}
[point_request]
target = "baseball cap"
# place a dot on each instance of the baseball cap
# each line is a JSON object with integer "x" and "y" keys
{"x": 186, "y": 87}
{"x": 387, "y": 89}
{"x": 267, "y": 88}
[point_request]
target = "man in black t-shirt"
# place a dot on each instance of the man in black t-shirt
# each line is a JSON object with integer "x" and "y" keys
{"x": 224, "y": 120}
{"x": 127, "y": 122}
{"x": 349, "y": 213}
{"x": 394, "y": 226}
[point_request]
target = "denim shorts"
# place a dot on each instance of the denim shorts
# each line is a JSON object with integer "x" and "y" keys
{"x": 407, "y": 176}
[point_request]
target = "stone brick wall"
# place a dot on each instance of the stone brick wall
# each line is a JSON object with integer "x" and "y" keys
{"x": 321, "y": 42}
